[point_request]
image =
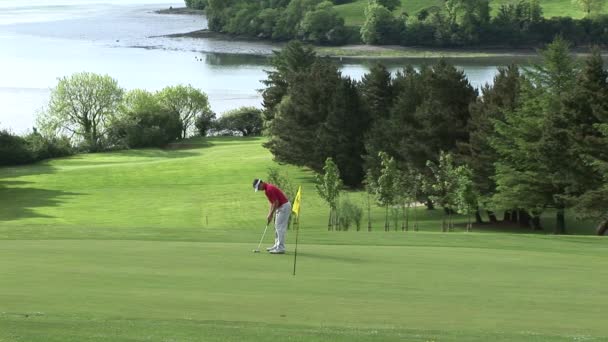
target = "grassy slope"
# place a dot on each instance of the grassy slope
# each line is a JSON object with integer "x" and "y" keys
{"x": 114, "y": 247}
{"x": 353, "y": 12}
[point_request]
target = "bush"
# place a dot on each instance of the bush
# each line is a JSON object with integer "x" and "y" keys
{"x": 14, "y": 150}
{"x": 144, "y": 122}
{"x": 348, "y": 214}
{"x": 245, "y": 121}
{"x": 42, "y": 147}
{"x": 205, "y": 123}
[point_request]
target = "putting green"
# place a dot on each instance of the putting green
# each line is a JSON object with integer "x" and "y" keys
{"x": 156, "y": 291}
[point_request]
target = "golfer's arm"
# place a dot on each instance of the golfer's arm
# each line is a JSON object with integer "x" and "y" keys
{"x": 273, "y": 206}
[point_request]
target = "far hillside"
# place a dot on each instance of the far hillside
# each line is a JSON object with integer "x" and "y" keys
{"x": 353, "y": 12}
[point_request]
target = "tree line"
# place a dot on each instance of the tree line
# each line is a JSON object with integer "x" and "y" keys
{"x": 88, "y": 112}
{"x": 453, "y": 23}
{"x": 536, "y": 139}
{"x": 469, "y": 23}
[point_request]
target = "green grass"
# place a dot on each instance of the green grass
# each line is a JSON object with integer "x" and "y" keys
{"x": 155, "y": 245}
{"x": 353, "y": 12}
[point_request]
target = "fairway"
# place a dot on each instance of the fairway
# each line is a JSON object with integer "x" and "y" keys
{"x": 156, "y": 245}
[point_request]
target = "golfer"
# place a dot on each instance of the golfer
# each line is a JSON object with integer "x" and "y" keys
{"x": 280, "y": 208}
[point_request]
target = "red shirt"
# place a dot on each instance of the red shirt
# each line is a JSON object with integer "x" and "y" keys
{"x": 274, "y": 194}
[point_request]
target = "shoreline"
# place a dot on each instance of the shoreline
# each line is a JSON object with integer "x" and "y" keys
{"x": 180, "y": 10}
{"x": 386, "y": 52}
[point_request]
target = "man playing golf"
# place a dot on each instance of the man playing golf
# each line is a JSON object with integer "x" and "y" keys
{"x": 279, "y": 205}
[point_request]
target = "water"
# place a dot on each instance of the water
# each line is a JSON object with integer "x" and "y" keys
{"x": 43, "y": 40}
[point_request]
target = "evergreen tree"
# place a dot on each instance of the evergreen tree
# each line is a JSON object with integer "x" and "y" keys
{"x": 588, "y": 110}
{"x": 538, "y": 168}
{"x": 496, "y": 100}
{"x": 294, "y": 58}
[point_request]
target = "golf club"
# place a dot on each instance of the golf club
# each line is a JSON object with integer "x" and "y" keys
{"x": 257, "y": 250}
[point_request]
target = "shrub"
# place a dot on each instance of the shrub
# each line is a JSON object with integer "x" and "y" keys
{"x": 14, "y": 150}
{"x": 348, "y": 214}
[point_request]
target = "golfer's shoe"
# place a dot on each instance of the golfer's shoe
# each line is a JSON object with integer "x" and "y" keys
{"x": 271, "y": 248}
{"x": 277, "y": 251}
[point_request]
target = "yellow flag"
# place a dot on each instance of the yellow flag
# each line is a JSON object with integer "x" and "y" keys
{"x": 296, "y": 203}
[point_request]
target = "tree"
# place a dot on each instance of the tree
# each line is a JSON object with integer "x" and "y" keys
{"x": 204, "y": 123}
{"x": 323, "y": 25}
{"x": 196, "y": 4}
{"x": 538, "y": 166}
{"x": 82, "y": 105}
{"x": 407, "y": 188}
{"x": 496, "y": 100}
{"x": 466, "y": 195}
{"x": 391, "y": 5}
{"x": 293, "y": 132}
{"x": 587, "y": 107}
{"x": 328, "y": 187}
{"x": 293, "y": 59}
{"x": 378, "y": 95}
{"x": 380, "y": 26}
{"x": 386, "y": 185}
{"x": 189, "y": 102}
{"x": 444, "y": 184}
{"x": 144, "y": 122}
{"x": 342, "y": 134}
{"x": 245, "y": 120}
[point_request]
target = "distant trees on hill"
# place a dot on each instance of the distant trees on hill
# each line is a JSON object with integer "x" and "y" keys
{"x": 455, "y": 23}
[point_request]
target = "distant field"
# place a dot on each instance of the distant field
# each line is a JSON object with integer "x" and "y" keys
{"x": 353, "y": 12}
{"x": 156, "y": 245}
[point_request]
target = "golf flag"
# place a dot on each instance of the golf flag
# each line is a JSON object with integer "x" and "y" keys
{"x": 296, "y": 203}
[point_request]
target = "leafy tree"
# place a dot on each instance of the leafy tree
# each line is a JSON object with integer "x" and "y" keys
{"x": 466, "y": 195}
{"x": 196, "y": 4}
{"x": 144, "y": 122}
{"x": 245, "y": 120}
{"x": 391, "y": 5}
{"x": 380, "y": 26}
{"x": 189, "y": 102}
{"x": 408, "y": 187}
{"x": 370, "y": 187}
{"x": 386, "y": 185}
{"x": 82, "y": 105}
{"x": 204, "y": 123}
{"x": 323, "y": 25}
{"x": 444, "y": 185}
{"x": 328, "y": 187}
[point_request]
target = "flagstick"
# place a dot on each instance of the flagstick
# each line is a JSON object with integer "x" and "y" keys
{"x": 295, "y": 255}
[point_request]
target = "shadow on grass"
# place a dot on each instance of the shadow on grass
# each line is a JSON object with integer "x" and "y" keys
{"x": 19, "y": 198}
{"x": 21, "y": 203}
